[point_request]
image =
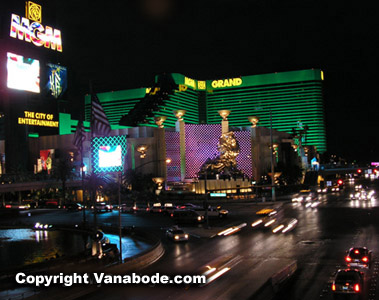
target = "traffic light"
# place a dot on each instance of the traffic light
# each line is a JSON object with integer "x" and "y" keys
{"x": 340, "y": 181}
{"x": 359, "y": 171}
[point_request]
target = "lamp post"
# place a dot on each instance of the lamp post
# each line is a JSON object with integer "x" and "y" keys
{"x": 180, "y": 127}
{"x": 224, "y": 123}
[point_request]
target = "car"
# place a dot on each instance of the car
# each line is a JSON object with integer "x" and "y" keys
{"x": 156, "y": 208}
{"x": 212, "y": 211}
{"x": 74, "y": 207}
{"x": 187, "y": 216}
{"x": 335, "y": 188}
{"x": 266, "y": 217}
{"x": 140, "y": 207}
{"x": 322, "y": 190}
{"x": 102, "y": 206}
{"x": 168, "y": 208}
{"x": 177, "y": 234}
{"x": 285, "y": 225}
{"x": 304, "y": 196}
{"x": 50, "y": 203}
{"x": 359, "y": 257}
{"x": 125, "y": 208}
{"x": 16, "y": 206}
{"x": 347, "y": 282}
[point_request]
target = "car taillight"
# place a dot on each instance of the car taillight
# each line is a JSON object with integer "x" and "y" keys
{"x": 8, "y": 206}
{"x": 356, "y": 251}
{"x": 357, "y": 287}
{"x": 365, "y": 259}
{"x": 333, "y": 287}
{"x": 348, "y": 258}
{"x": 172, "y": 215}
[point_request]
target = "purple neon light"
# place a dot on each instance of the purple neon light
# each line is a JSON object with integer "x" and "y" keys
{"x": 244, "y": 158}
{"x": 173, "y": 152}
{"x": 201, "y": 144}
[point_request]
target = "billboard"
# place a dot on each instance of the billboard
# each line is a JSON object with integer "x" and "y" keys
{"x": 23, "y": 73}
{"x": 56, "y": 80}
{"x": 108, "y": 154}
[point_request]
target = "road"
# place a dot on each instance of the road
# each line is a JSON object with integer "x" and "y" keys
{"x": 318, "y": 244}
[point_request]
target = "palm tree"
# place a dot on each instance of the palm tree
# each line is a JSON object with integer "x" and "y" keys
{"x": 93, "y": 183}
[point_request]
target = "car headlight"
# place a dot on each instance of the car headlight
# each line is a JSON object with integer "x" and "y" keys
{"x": 186, "y": 236}
{"x": 176, "y": 237}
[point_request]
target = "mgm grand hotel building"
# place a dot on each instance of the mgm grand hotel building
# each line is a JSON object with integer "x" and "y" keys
{"x": 182, "y": 130}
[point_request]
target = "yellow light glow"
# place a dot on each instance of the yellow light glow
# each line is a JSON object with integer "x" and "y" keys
{"x": 33, "y": 11}
{"x": 201, "y": 85}
{"x": 38, "y": 119}
{"x": 257, "y": 223}
{"x": 270, "y": 222}
{"x": 190, "y": 82}
{"x": 226, "y": 82}
{"x": 278, "y": 228}
{"x": 217, "y": 275}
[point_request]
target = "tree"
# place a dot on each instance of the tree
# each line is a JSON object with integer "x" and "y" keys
{"x": 63, "y": 170}
{"x": 141, "y": 185}
{"x": 291, "y": 174}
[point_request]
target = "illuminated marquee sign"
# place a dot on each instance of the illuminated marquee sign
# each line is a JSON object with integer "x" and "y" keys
{"x": 221, "y": 83}
{"x": 190, "y": 82}
{"x": 38, "y": 119}
{"x": 108, "y": 153}
{"x": 57, "y": 79}
{"x": 35, "y": 32}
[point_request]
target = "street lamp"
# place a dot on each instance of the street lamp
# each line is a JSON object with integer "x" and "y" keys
{"x": 179, "y": 114}
{"x": 142, "y": 149}
{"x": 224, "y": 114}
{"x": 253, "y": 120}
{"x": 159, "y": 121}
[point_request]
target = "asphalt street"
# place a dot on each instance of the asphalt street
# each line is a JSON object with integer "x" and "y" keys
{"x": 318, "y": 244}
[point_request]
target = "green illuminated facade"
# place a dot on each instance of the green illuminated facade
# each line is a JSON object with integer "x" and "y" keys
{"x": 293, "y": 97}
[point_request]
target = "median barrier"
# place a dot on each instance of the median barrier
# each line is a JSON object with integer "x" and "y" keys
{"x": 272, "y": 286}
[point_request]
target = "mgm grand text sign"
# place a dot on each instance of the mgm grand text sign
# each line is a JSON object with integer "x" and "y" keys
{"x": 31, "y": 30}
{"x": 229, "y": 82}
{"x": 38, "y": 119}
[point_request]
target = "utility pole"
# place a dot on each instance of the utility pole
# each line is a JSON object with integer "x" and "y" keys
{"x": 272, "y": 161}
{"x": 119, "y": 213}
{"x": 206, "y": 200}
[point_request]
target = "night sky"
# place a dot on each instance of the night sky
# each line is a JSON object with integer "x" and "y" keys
{"x": 124, "y": 44}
